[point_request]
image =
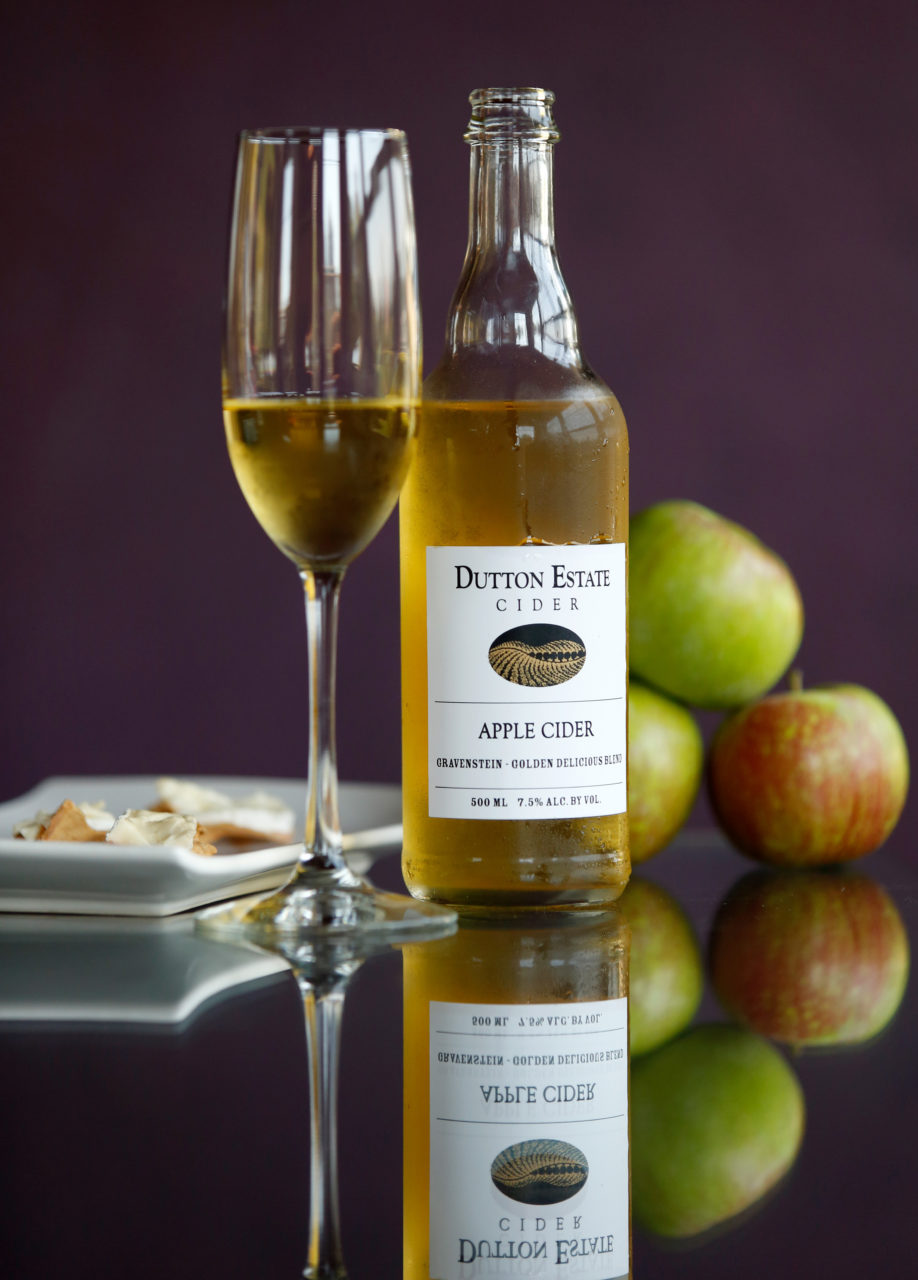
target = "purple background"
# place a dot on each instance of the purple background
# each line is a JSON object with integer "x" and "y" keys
{"x": 737, "y": 210}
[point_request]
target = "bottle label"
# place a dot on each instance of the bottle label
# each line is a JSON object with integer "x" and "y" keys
{"x": 527, "y": 681}
{"x": 529, "y": 1140}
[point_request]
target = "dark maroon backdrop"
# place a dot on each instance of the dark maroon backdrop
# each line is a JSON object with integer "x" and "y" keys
{"x": 737, "y": 206}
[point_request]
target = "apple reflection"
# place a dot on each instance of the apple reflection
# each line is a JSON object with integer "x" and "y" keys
{"x": 810, "y": 958}
{"x": 667, "y": 970}
{"x": 797, "y": 960}
{"x": 717, "y": 1119}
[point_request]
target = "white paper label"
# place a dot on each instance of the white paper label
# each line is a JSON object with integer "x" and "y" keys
{"x": 529, "y": 1140}
{"x": 527, "y": 682}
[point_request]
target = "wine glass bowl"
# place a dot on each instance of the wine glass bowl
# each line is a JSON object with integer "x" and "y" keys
{"x": 322, "y": 340}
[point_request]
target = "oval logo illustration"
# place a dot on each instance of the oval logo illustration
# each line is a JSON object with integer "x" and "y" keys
{"x": 537, "y": 655}
{"x": 540, "y": 1171}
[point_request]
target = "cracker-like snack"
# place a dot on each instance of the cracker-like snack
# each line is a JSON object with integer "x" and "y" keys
{"x": 69, "y": 821}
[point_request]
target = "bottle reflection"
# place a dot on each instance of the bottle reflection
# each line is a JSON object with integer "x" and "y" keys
{"x": 516, "y": 1098}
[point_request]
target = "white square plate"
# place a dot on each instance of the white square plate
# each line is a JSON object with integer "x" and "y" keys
{"x": 106, "y": 879}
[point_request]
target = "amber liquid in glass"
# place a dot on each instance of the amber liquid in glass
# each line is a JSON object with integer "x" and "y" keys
{"x": 321, "y": 477}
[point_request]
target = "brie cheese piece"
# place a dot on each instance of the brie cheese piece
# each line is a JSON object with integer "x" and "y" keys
{"x": 257, "y": 812}
{"x": 144, "y": 826}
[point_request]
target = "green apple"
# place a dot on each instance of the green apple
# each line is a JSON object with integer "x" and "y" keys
{"x": 665, "y": 762}
{"x": 715, "y": 616}
{"x": 809, "y": 776}
{"x": 716, "y": 1121}
{"x": 809, "y": 958}
{"x": 666, "y": 970}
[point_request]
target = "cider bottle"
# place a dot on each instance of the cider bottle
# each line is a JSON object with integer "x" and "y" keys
{"x": 514, "y": 526}
{"x": 516, "y": 1098}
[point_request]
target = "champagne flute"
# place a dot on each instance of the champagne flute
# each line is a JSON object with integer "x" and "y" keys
{"x": 321, "y": 369}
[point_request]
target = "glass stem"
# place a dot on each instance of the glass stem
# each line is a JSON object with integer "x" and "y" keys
{"x": 322, "y": 836}
{"x": 323, "y": 1011}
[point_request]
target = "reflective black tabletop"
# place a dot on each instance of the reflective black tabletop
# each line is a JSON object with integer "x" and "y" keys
{"x": 154, "y": 1104}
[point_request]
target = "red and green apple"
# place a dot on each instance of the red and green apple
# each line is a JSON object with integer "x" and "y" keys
{"x": 809, "y": 777}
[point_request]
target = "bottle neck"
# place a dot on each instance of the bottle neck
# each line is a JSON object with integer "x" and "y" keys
{"x": 511, "y": 292}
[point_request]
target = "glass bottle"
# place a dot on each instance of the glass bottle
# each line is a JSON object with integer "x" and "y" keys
{"x": 514, "y": 526}
{"x": 516, "y": 1157}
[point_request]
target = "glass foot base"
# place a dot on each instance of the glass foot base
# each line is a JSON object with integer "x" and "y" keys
{"x": 332, "y": 907}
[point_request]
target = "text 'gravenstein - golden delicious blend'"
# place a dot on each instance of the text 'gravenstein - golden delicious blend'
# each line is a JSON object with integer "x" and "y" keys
{"x": 514, "y": 525}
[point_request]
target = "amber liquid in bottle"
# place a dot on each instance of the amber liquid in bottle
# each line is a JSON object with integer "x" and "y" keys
{"x": 516, "y": 1098}
{"x": 519, "y": 445}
